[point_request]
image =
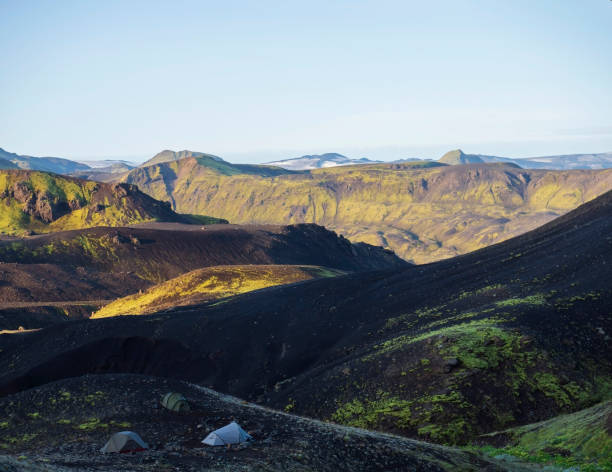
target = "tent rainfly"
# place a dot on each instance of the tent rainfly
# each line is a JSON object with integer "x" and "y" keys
{"x": 125, "y": 441}
{"x": 229, "y": 434}
{"x": 175, "y": 402}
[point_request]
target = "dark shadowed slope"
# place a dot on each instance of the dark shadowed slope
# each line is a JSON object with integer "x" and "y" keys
{"x": 106, "y": 263}
{"x": 157, "y": 255}
{"x": 510, "y": 334}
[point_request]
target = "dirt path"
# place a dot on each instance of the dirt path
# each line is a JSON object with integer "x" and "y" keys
{"x": 18, "y": 331}
{"x": 4, "y": 305}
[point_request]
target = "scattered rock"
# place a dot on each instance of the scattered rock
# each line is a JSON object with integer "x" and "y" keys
{"x": 74, "y": 204}
{"x": 450, "y": 364}
{"x": 495, "y": 340}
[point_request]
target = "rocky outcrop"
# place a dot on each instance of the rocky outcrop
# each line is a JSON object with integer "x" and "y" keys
{"x": 39, "y": 204}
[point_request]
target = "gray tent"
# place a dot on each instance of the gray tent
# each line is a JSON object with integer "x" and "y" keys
{"x": 230, "y": 434}
{"x": 175, "y": 402}
{"x": 125, "y": 441}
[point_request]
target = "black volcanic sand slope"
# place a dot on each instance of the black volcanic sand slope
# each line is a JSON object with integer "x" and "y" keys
{"x": 28, "y": 316}
{"x": 59, "y": 281}
{"x": 66, "y": 423}
{"x": 106, "y": 263}
{"x": 508, "y": 335}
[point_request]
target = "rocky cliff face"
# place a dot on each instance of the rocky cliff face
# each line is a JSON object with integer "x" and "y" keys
{"x": 41, "y": 202}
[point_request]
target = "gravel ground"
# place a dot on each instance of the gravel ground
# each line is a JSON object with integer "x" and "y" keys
{"x": 62, "y": 426}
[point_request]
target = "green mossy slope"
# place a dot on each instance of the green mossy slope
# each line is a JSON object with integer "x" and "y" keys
{"x": 210, "y": 284}
{"x": 582, "y": 440}
{"x": 422, "y": 212}
{"x": 41, "y": 202}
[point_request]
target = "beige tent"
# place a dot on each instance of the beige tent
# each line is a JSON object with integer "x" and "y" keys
{"x": 175, "y": 402}
{"x": 125, "y": 441}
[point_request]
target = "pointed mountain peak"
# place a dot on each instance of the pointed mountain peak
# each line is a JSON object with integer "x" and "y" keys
{"x": 457, "y": 156}
{"x": 169, "y": 156}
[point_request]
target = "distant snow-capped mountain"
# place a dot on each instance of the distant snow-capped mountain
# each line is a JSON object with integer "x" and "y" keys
{"x": 563, "y": 162}
{"x": 95, "y": 164}
{"x": 318, "y": 161}
{"x": 566, "y": 162}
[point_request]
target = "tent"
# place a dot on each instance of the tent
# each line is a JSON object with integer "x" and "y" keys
{"x": 230, "y": 434}
{"x": 125, "y": 441}
{"x": 175, "y": 402}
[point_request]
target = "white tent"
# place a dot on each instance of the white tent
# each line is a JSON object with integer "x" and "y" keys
{"x": 230, "y": 434}
{"x": 125, "y": 441}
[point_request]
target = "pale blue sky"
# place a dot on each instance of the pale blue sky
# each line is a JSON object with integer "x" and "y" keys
{"x": 255, "y": 81}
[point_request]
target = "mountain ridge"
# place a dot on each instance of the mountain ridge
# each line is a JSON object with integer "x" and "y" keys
{"x": 46, "y": 164}
{"x": 554, "y": 162}
{"x": 9, "y": 160}
{"x": 169, "y": 156}
{"x": 423, "y": 211}
{"x": 457, "y": 156}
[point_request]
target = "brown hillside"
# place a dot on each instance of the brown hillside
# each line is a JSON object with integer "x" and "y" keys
{"x": 107, "y": 263}
{"x": 423, "y": 213}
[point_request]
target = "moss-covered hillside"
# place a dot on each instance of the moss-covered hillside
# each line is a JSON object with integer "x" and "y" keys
{"x": 577, "y": 441}
{"x": 41, "y": 202}
{"x": 208, "y": 284}
{"x": 422, "y": 212}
